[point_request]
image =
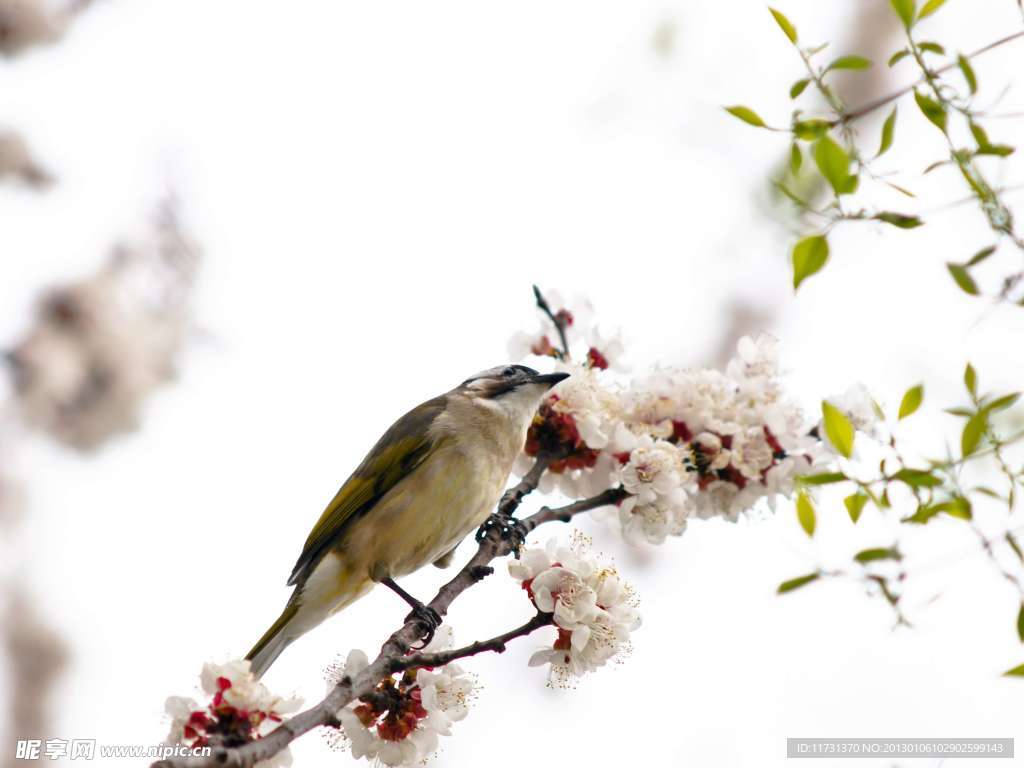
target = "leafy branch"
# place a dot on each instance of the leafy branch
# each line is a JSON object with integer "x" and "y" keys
{"x": 937, "y": 489}
{"x": 832, "y": 145}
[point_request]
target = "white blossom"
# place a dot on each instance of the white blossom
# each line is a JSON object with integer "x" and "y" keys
{"x": 246, "y": 691}
{"x": 593, "y": 609}
{"x": 594, "y": 407}
{"x": 232, "y": 685}
{"x": 652, "y": 523}
{"x": 654, "y": 472}
{"x": 428, "y": 704}
{"x": 750, "y": 453}
{"x": 605, "y": 351}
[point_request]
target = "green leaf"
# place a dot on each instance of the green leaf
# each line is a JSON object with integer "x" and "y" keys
{"x": 799, "y": 581}
{"x": 999, "y": 150}
{"x": 898, "y": 188}
{"x": 809, "y": 130}
{"x": 1014, "y": 546}
{"x": 933, "y": 110}
{"x": 971, "y": 380}
{"x": 834, "y": 163}
{"x": 1015, "y": 672}
{"x": 849, "y": 62}
{"x": 824, "y": 478}
{"x": 974, "y": 429}
{"x": 905, "y": 9}
{"x": 932, "y": 48}
{"x": 785, "y": 24}
{"x": 809, "y": 256}
{"x": 796, "y": 158}
{"x": 958, "y": 506}
{"x": 968, "y": 72}
{"x": 855, "y": 504}
{"x": 798, "y": 87}
{"x": 838, "y": 428}
{"x": 805, "y": 513}
{"x": 980, "y": 256}
{"x": 922, "y": 515}
{"x": 1002, "y": 402}
{"x": 911, "y": 400}
{"x": 963, "y": 278}
{"x": 929, "y": 8}
{"x": 878, "y": 553}
{"x": 899, "y": 55}
{"x": 901, "y": 220}
{"x": 963, "y": 412}
{"x": 917, "y": 478}
{"x": 979, "y": 134}
{"x": 888, "y": 132}
{"x": 747, "y": 115}
{"x": 1020, "y": 623}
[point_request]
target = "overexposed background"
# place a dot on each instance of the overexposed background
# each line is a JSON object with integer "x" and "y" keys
{"x": 375, "y": 187}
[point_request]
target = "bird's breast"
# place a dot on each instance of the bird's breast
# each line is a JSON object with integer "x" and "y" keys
{"x": 429, "y": 512}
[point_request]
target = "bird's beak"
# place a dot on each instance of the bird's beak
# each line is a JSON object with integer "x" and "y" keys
{"x": 550, "y": 378}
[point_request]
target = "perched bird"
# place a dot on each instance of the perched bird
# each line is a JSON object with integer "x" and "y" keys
{"x": 433, "y": 477}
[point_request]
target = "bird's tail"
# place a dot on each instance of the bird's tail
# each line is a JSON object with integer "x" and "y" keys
{"x": 274, "y": 640}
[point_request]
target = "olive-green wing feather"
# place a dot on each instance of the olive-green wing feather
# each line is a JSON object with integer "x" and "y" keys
{"x": 401, "y": 449}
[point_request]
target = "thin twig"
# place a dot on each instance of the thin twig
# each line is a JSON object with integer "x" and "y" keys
{"x": 513, "y": 497}
{"x": 564, "y": 514}
{"x": 496, "y": 644}
{"x": 558, "y": 322}
{"x": 871, "y": 106}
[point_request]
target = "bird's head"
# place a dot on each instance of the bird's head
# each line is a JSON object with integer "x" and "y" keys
{"x": 515, "y": 389}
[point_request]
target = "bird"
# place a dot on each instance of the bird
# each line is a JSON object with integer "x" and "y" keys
{"x": 432, "y": 478}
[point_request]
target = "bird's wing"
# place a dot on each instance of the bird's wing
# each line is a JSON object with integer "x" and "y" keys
{"x": 400, "y": 451}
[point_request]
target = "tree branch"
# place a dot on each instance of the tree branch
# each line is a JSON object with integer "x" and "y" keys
{"x": 496, "y": 644}
{"x": 565, "y": 514}
{"x": 559, "y": 323}
{"x": 871, "y": 106}
{"x": 395, "y": 650}
{"x": 514, "y": 496}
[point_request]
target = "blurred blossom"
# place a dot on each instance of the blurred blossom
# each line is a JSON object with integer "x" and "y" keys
{"x": 16, "y": 161}
{"x": 36, "y": 659}
{"x": 99, "y": 346}
{"x": 25, "y": 23}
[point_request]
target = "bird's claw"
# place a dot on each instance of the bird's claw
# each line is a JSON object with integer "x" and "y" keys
{"x": 509, "y": 529}
{"x": 428, "y": 619}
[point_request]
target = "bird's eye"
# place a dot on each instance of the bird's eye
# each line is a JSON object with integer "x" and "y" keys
{"x": 509, "y": 372}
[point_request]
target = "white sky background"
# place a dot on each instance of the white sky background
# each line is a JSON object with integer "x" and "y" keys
{"x": 376, "y": 185}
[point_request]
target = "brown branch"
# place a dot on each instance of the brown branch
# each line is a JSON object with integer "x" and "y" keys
{"x": 871, "y": 106}
{"x": 559, "y": 323}
{"x": 564, "y": 514}
{"x": 397, "y": 647}
{"x": 514, "y": 496}
{"x": 496, "y": 644}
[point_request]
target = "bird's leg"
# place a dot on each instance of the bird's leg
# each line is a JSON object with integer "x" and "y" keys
{"x": 509, "y": 528}
{"x": 428, "y": 618}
